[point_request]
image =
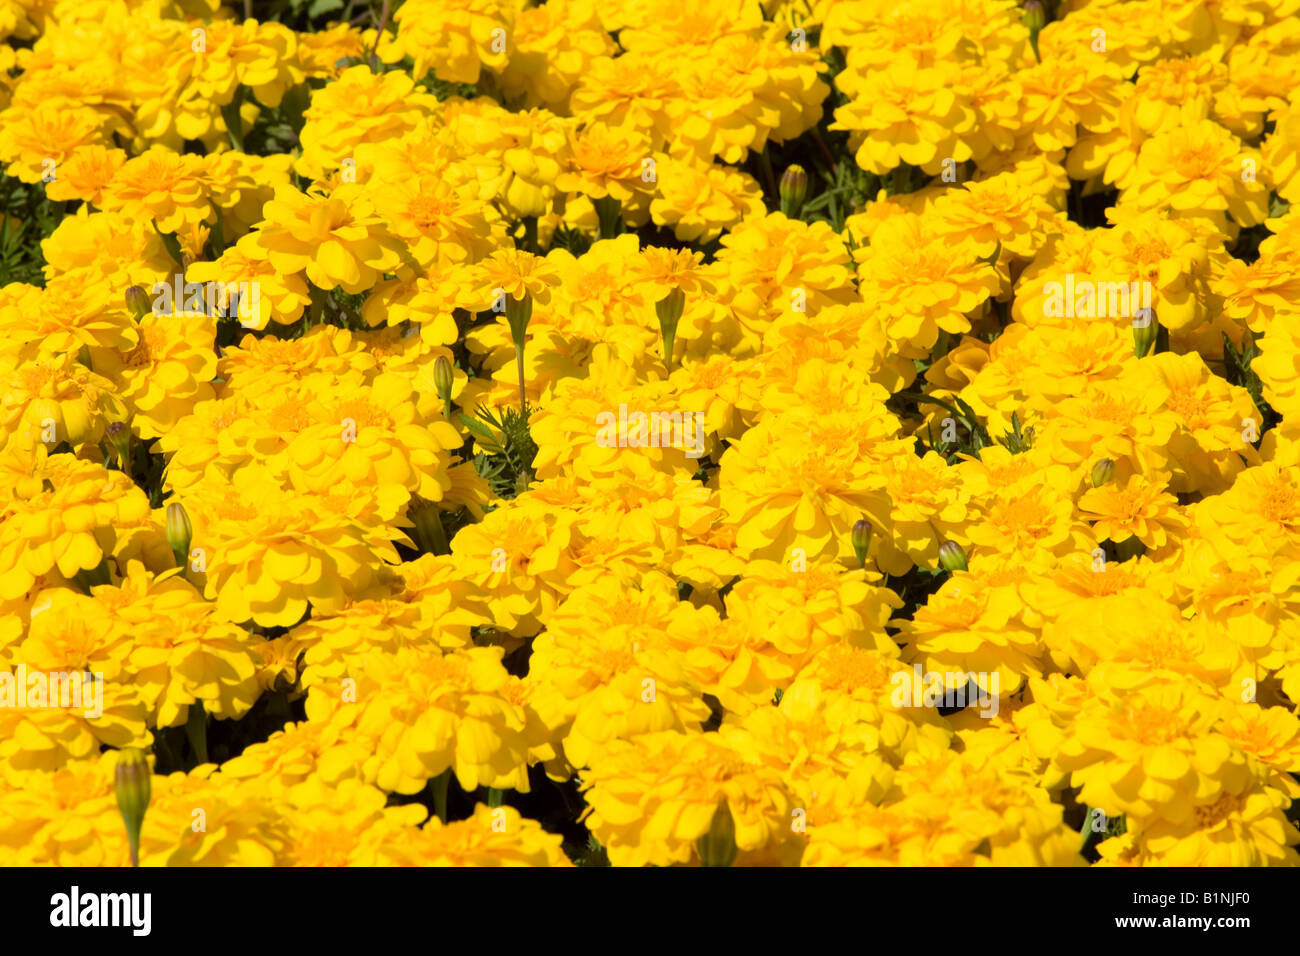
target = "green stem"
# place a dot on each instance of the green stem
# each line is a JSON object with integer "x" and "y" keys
{"x": 196, "y": 730}
{"x": 234, "y": 123}
{"x": 440, "y": 785}
{"x": 765, "y": 163}
{"x": 519, "y": 362}
{"x": 530, "y": 235}
{"x": 609, "y": 211}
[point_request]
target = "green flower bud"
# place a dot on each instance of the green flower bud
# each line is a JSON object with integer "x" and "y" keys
{"x": 179, "y": 531}
{"x": 794, "y": 190}
{"x": 137, "y": 302}
{"x": 119, "y": 436}
{"x": 952, "y": 557}
{"x": 1034, "y": 18}
{"x": 1146, "y": 326}
{"x": 1103, "y": 472}
{"x": 442, "y": 378}
{"x": 134, "y": 782}
{"x": 861, "y": 538}
{"x": 669, "y": 309}
{"x": 518, "y": 313}
{"x": 428, "y": 526}
{"x": 718, "y": 846}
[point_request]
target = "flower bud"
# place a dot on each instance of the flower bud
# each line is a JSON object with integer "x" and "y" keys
{"x": 119, "y": 436}
{"x": 442, "y": 378}
{"x": 429, "y": 531}
{"x": 669, "y": 309}
{"x": 518, "y": 313}
{"x": 1103, "y": 472}
{"x": 794, "y": 189}
{"x": 1146, "y": 326}
{"x": 179, "y": 531}
{"x": 718, "y": 846}
{"x": 133, "y": 785}
{"x": 952, "y": 557}
{"x": 137, "y": 302}
{"x": 1034, "y": 18}
{"x": 861, "y": 538}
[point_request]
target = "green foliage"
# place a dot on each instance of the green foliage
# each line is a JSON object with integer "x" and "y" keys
{"x": 508, "y": 450}
{"x": 27, "y": 216}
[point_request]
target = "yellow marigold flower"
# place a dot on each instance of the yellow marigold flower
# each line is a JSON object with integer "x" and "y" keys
{"x": 178, "y": 650}
{"x": 439, "y": 221}
{"x": 652, "y": 798}
{"x": 634, "y": 91}
{"x": 805, "y": 493}
{"x": 419, "y": 713}
{"x": 604, "y": 670}
{"x": 921, "y": 282}
{"x": 36, "y": 136}
{"x": 167, "y": 373}
{"x": 976, "y": 627}
{"x": 518, "y": 274}
{"x": 606, "y": 161}
{"x": 68, "y": 315}
{"x": 699, "y": 201}
{"x": 493, "y": 836}
{"x": 336, "y": 238}
{"x": 802, "y": 609}
{"x": 359, "y": 106}
{"x": 52, "y": 734}
{"x": 349, "y": 824}
{"x": 297, "y": 753}
{"x": 271, "y": 554}
{"x": 161, "y": 186}
{"x": 554, "y": 46}
{"x": 374, "y": 436}
{"x": 997, "y": 210}
{"x": 72, "y": 527}
{"x": 456, "y": 39}
{"x": 1141, "y": 508}
{"x": 1201, "y": 170}
{"x": 518, "y": 557}
{"x": 777, "y": 267}
{"x": 1249, "y": 828}
{"x": 271, "y": 294}
{"x": 906, "y": 113}
{"x": 85, "y": 174}
{"x": 1153, "y": 754}
{"x": 1260, "y": 511}
{"x": 1060, "y": 97}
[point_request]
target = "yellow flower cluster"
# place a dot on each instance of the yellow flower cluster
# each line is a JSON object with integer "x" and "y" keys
{"x": 412, "y": 427}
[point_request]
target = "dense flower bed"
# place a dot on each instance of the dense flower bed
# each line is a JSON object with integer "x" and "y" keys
{"x": 754, "y": 432}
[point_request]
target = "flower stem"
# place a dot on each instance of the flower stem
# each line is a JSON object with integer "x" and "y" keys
{"x": 439, "y": 785}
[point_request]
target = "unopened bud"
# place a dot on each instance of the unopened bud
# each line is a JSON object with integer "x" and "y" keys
{"x": 1103, "y": 472}
{"x": 134, "y": 787}
{"x": 718, "y": 846}
{"x": 1146, "y": 326}
{"x": 952, "y": 557}
{"x": 1034, "y": 17}
{"x": 518, "y": 313}
{"x": 137, "y": 301}
{"x": 442, "y": 378}
{"x": 179, "y": 531}
{"x": 669, "y": 309}
{"x": 794, "y": 189}
{"x": 861, "y": 539}
{"x": 119, "y": 436}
